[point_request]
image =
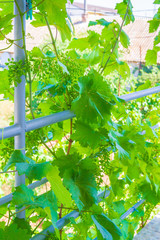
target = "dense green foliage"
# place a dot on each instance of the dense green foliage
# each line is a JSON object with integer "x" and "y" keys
{"x": 104, "y": 141}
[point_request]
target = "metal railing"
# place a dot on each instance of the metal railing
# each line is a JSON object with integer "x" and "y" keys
{"x": 21, "y": 126}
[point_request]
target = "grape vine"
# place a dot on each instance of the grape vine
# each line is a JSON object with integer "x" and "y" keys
{"x": 102, "y": 148}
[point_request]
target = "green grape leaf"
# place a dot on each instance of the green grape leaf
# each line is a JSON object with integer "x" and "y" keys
{"x": 48, "y": 202}
{"x": 124, "y": 70}
{"x": 109, "y": 32}
{"x": 93, "y": 39}
{"x": 101, "y": 231}
{"x": 112, "y": 66}
{"x": 36, "y": 52}
{"x": 156, "y": 2}
{"x": 102, "y": 222}
{"x": 34, "y": 170}
{"x": 101, "y": 21}
{"x": 73, "y": 188}
{"x": 64, "y": 162}
{"x": 122, "y": 9}
{"x": 80, "y": 44}
{"x": 151, "y": 57}
{"x": 13, "y": 232}
{"x": 6, "y": 8}
{"x": 23, "y": 195}
{"x": 4, "y": 83}
{"x": 58, "y": 188}
{"x": 157, "y": 39}
{"x": 23, "y": 224}
{"x": 50, "y": 54}
{"x": 93, "y": 102}
{"x": 38, "y": 21}
{"x": 149, "y": 192}
{"x": 116, "y": 137}
{"x": 16, "y": 157}
{"x": 86, "y": 135}
{"x": 145, "y": 85}
{"x": 56, "y": 14}
{"x": 5, "y": 25}
{"x": 93, "y": 57}
{"x": 124, "y": 39}
{"x": 84, "y": 185}
{"x": 119, "y": 206}
{"x": 39, "y": 170}
{"x": 2, "y": 234}
{"x": 153, "y": 25}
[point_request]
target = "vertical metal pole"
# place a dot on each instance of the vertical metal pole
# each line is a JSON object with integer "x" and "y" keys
{"x": 85, "y": 7}
{"x": 19, "y": 92}
{"x": 84, "y": 15}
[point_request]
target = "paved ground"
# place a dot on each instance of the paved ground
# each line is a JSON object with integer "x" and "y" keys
{"x": 151, "y": 231}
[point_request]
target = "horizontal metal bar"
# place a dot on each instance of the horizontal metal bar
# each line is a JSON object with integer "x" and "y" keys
{"x": 60, "y": 224}
{"x": 103, "y": 195}
{"x": 38, "y": 183}
{"x": 8, "y": 197}
{"x": 156, "y": 126}
{"x": 15, "y": 130}
{"x": 10, "y": 131}
{"x": 65, "y": 220}
{"x": 48, "y": 120}
{"x": 153, "y": 128}
{"x": 132, "y": 209}
{"x": 139, "y": 94}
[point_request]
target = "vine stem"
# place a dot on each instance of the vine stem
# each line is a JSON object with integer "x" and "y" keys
{"x": 20, "y": 211}
{"x": 60, "y": 216}
{"x": 52, "y": 38}
{"x": 38, "y": 69}
{"x": 9, "y": 172}
{"x": 10, "y": 41}
{"x": 30, "y": 214}
{"x": 4, "y": 215}
{"x": 10, "y": 215}
{"x": 68, "y": 151}
{"x": 70, "y": 140}
{"x": 46, "y": 46}
{"x": 47, "y": 146}
{"x": 119, "y": 86}
{"x": 116, "y": 38}
{"x": 74, "y": 209}
{"x": 6, "y": 48}
{"x": 39, "y": 224}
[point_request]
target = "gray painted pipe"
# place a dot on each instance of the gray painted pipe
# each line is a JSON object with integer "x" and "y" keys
{"x": 10, "y": 131}
{"x": 15, "y": 130}
{"x": 139, "y": 94}
{"x": 19, "y": 91}
{"x": 65, "y": 220}
{"x": 48, "y": 120}
{"x": 8, "y": 197}
{"x": 132, "y": 209}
